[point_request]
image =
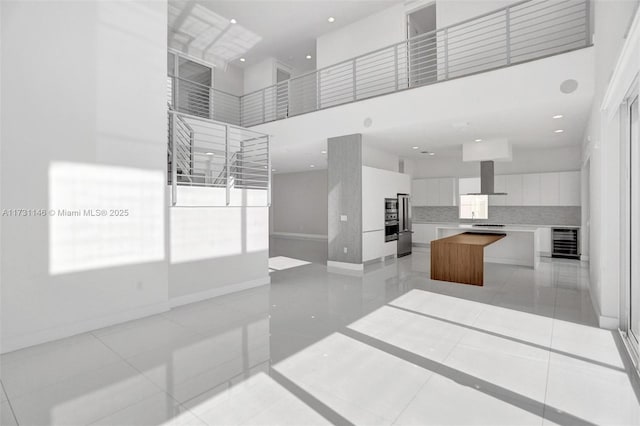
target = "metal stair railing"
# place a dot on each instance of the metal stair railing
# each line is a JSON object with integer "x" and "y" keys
{"x": 217, "y": 155}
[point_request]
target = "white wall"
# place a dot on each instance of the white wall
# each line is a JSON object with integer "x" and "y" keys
{"x": 215, "y": 251}
{"x": 230, "y": 80}
{"x": 299, "y": 202}
{"x": 62, "y": 68}
{"x": 525, "y": 160}
{"x": 453, "y": 11}
{"x": 375, "y": 31}
{"x": 100, "y": 141}
{"x": 602, "y": 152}
{"x": 390, "y": 26}
{"x": 260, "y": 75}
{"x": 374, "y": 157}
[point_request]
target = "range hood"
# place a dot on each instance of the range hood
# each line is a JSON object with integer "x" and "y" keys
{"x": 487, "y": 180}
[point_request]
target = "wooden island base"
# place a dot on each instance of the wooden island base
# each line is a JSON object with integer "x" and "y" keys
{"x": 460, "y": 258}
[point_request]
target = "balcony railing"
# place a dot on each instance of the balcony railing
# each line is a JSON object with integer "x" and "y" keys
{"x": 232, "y": 163}
{"x": 518, "y": 33}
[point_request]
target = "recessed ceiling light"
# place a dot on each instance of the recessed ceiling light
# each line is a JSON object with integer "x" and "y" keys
{"x": 432, "y": 153}
{"x": 331, "y": 19}
{"x": 478, "y": 140}
{"x": 242, "y": 59}
{"x": 266, "y": 167}
{"x": 427, "y": 152}
{"x": 415, "y": 147}
{"x": 323, "y": 152}
{"x": 273, "y": 170}
{"x": 209, "y": 153}
{"x": 559, "y": 131}
{"x": 311, "y": 165}
{"x": 233, "y": 21}
{"x": 558, "y": 116}
{"x": 308, "y": 56}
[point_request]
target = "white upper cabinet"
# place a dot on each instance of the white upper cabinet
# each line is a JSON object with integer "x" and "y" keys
{"x": 531, "y": 190}
{"x": 468, "y": 185}
{"x": 514, "y": 190}
{"x": 419, "y": 192}
{"x": 448, "y": 191}
{"x": 544, "y": 189}
{"x": 434, "y": 192}
{"x": 569, "y": 188}
{"x": 499, "y": 185}
{"x": 549, "y": 191}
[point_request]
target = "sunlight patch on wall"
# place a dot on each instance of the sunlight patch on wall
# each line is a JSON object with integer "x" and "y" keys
{"x": 103, "y": 216}
{"x": 257, "y": 229}
{"x": 199, "y": 196}
{"x": 204, "y": 233}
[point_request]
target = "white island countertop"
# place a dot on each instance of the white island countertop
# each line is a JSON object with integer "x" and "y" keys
{"x": 519, "y": 247}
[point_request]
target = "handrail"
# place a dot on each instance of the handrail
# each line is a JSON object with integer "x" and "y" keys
{"x": 204, "y": 86}
{"x": 489, "y": 41}
{"x": 217, "y": 155}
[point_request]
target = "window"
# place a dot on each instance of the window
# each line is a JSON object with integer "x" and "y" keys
{"x": 474, "y": 207}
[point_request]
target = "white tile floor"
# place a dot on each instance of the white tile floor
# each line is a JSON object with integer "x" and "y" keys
{"x": 390, "y": 347}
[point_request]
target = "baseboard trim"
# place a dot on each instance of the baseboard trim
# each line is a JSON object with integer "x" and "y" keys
{"x": 609, "y": 323}
{"x": 421, "y": 245}
{"x": 503, "y": 261}
{"x": 68, "y": 330}
{"x": 345, "y": 265}
{"x": 218, "y": 291}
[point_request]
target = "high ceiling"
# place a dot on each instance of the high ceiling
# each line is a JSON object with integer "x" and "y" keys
{"x": 286, "y": 30}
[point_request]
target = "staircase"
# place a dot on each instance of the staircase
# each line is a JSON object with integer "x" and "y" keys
{"x": 215, "y": 156}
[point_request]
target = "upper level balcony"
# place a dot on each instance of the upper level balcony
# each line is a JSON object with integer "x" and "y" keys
{"x": 518, "y": 33}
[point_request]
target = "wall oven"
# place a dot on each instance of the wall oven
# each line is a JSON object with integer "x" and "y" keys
{"x": 390, "y": 219}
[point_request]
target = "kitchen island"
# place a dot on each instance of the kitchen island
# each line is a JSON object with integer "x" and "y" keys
{"x": 460, "y": 258}
{"x": 519, "y": 247}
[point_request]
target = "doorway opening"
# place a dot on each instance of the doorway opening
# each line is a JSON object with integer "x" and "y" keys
{"x": 422, "y": 46}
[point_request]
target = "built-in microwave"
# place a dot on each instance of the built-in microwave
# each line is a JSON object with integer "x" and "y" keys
{"x": 391, "y": 206}
{"x": 390, "y": 219}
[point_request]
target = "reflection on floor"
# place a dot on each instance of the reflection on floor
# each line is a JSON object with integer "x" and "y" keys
{"x": 389, "y": 347}
{"x": 280, "y": 263}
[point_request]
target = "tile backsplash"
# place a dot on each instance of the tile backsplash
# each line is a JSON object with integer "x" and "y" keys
{"x": 521, "y": 215}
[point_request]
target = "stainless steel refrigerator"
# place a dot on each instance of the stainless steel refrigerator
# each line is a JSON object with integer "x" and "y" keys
{"x": 404, "y": 225}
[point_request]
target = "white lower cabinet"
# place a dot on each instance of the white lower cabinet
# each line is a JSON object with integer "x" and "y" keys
{"x": 374, "y": 246}
{"x": 544, "y": 241}
{"x": 424, "y": 233}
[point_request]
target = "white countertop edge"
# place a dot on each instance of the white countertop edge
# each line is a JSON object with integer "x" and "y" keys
{"x": 506, "y": 225}
{"x": 489, "y": 229}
